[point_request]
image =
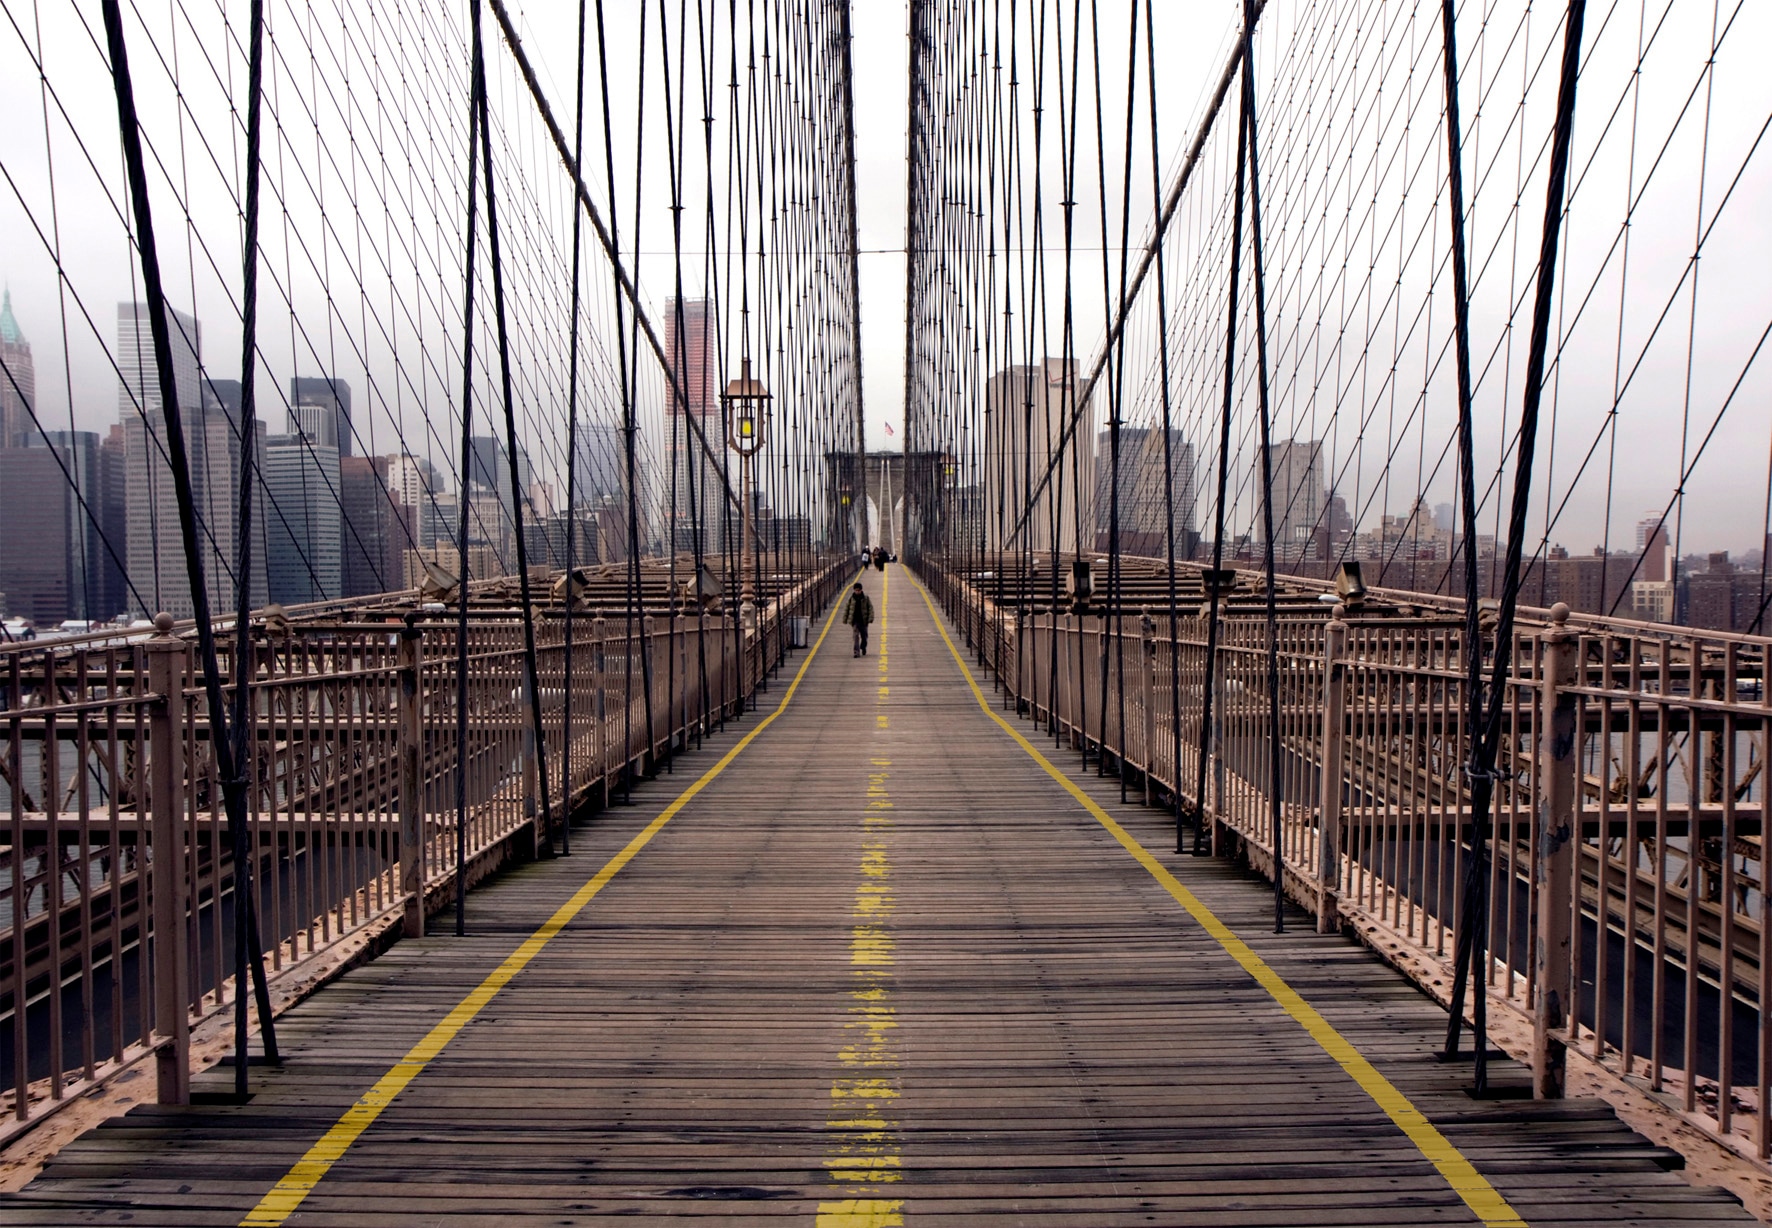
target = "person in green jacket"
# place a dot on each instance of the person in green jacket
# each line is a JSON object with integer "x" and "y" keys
{"x": 858, "y": 613}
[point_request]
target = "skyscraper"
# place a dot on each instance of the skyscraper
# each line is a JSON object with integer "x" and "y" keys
{"x": 37, "y": 580}
{"x": 304, "y": 525}
{"x": 693, "y": 352}
{"x": 112, "y": 507}
{"x": 18, "y": 381}
{"x": 1296, "y": 470}
{"x": 321, "y": 410}
{"x": 1652, "y": 546}
{"x": 600, "y": 471}
{"x": 421, "y": 490}
{"x": 80, "y": 459}
{"x": 492, "y": 520}
{"x": 1026, "y": 409}
{"x": 377, "y": 527}
{"x": 156, "y": 556}
{"x": 1144, "y": 521}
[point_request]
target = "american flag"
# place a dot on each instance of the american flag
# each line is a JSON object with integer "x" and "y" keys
{"x": 889, "y": 430}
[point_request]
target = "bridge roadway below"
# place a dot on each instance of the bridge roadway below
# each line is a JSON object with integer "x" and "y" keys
{"x": 883, "y": 968}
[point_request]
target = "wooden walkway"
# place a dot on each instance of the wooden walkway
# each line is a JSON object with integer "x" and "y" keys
{"x": 882, "y": 969}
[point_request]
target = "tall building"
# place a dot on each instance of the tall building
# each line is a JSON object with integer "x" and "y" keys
{"x": 377, "y": 527}
{"x": 1026, "y": 409}
{"x": 216, "y": 443}
{"x": 112, "y": 506}
{"x": 546, "y": 540}
{"x": 210, "y": 415}
{"x": 18, "y": 380}
{"x": 1296, "y": 470}
{"x": 1652, "y": 548}
{"x": 42, "y": 548}
{"x": 80, "y": 456}
{"x": 693, "y": 352}
{"x": 1144, "y": 520}
{"x": 600, "y": 470}
{"x": 491, "y": 505}
{"x": 321, "y": 410}
{"x": 489, "y": 527}
{"x": 304, "y": 526}
{"x": 36, "y": 579}
{"x": 423, "y": 492}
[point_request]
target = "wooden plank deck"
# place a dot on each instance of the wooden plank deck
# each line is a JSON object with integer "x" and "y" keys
{"x": 881, "y": 970}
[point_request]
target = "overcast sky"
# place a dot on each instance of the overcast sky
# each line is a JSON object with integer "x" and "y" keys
{"x": 1696, "y": 138}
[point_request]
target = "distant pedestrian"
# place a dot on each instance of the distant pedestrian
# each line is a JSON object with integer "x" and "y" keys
{"x": 858, "y": 613}
{"x": 879, "y": 558}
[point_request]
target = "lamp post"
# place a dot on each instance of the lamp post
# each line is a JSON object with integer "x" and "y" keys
{"x": 746, "y": 402}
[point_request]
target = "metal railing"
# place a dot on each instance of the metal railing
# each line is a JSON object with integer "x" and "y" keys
{"x": 112, "y": 833}
{"x": 1646, "y": 745}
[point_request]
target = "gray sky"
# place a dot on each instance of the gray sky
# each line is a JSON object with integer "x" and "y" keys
{"x": 1695, "y": 152}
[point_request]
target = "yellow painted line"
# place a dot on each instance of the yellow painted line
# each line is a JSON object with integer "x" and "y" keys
{"x": 1470, "y": 1185}
{"x": 861, "y": 1213}
{"x": 866, "y": 1141}
{"x": 287, "y": 1195}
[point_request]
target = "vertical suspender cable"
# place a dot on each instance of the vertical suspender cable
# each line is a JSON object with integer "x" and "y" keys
{"x": 476, "y": 83}
{"x": 1224, "y": 450}
{"x": 222, "y": 742}
{"x": 846, "y": 72}
{"x": 634, "y": 593}
{"x": 1276, "y": 783}
{"x": 1481, "y": 769}
{"x": 544, "y": 822}
{"x": 578, "y": 129}
{"x": 1150, "y": 59}
{"x": 247, "y": 942}
{"x": 1117, "y": 579}
{"x": 1481, "y": 784}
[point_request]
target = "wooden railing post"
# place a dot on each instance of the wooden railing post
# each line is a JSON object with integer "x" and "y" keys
{"x": 1329, "y": 777}
{"x": 412, "y": 802}
{"x": 167, "y": 659}
{"x": 1555, "y": 853}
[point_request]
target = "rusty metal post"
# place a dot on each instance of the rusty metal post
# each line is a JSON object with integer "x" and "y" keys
{"x": 600, "y": 703}
{"x": 167, "y": 659}
{"x": 1147, "y": 637}
{"x": 1555, "y": 852}
{"x": 412, "y": 818}
{"x": 538, "y": 823}
{"x": 647, "y": 760}
{"x": 1330, "y": 775}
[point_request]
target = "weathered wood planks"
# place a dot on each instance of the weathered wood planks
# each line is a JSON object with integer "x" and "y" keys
{"x": 1054, "y": 1042}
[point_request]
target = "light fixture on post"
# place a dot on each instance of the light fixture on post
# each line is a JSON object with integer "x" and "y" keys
{"x": 746, "y": 406}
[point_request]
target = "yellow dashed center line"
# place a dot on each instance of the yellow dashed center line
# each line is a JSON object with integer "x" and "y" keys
{"x": 863, "y": 1133}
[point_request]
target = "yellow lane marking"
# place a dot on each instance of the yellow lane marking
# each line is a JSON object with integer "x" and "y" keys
{"x": 864, "y": 1139}
{"x": 860, "y": 1213}
{"x": 287, "y": 1195}
{"x": 1470, "y": 1185}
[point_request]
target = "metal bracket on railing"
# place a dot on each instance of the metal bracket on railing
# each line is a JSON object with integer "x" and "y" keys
{"x": 1494, "y": 775}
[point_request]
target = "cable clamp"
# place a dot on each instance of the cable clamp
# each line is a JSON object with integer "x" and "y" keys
{"x": 1494, "y": 775}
